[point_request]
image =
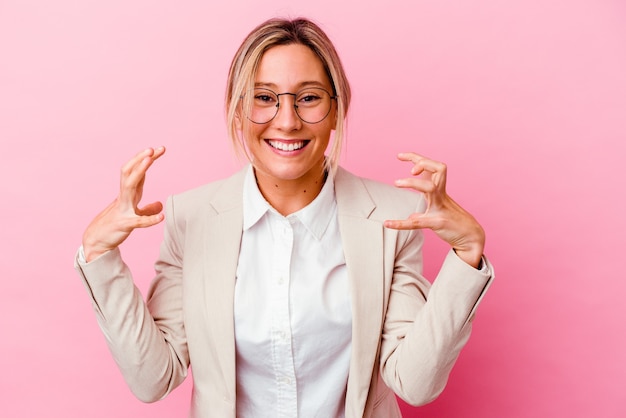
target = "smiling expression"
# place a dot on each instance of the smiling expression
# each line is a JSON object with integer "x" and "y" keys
{"x": 287, "y": 150}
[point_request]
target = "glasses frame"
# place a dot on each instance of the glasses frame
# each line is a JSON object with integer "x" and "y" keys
{"x": 295, "y": 105}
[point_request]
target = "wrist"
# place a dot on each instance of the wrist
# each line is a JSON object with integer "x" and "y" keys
{"x": 473, "y": 258}
{"x": 91, "y": 254}
{"x": 472, "y": 253}
{"x": 91, "y": 251}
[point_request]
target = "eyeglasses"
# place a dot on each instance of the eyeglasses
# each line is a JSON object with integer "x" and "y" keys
{"x": 312, "y": 104}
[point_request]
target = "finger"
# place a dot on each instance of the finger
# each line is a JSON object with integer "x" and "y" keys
{"x": 412, "y": 222}
{"x": 131, "y": 183}
{"x": 419, "y": 184}
{"x": 158, "y": 152}
{"x": 130, "y": 164}
{"x": 131, "y": 223}
{"x": 410, "y": 156}
{"x": 133, "y": 174}
{"x": 143, "y": 164}
{"x": 148, "y": 221}
{"x": 415, "y": 221}
{"x": 151, "y": 158}
{"x": 421, "y": 163}
{"x": 150, "y": 209}
{"x": 149, "y": 155}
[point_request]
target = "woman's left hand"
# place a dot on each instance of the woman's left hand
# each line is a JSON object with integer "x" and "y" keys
{"x": 443, "y": 215}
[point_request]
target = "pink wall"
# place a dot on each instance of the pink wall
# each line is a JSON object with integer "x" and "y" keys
{"x": 525, "y": 101}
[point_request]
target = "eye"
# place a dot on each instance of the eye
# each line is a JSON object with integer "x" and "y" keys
{"x": 264, "y": 98}
{"x": 309, "y": 98}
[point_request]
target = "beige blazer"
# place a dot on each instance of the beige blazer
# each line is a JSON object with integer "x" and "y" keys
{"x": 400, "y": 342}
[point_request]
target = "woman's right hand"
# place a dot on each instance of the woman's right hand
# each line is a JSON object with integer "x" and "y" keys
{"x": 115, "y": 223}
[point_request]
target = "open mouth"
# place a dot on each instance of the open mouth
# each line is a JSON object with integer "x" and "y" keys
{"x": 287, "y": 146}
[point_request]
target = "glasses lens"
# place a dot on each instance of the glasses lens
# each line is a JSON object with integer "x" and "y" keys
{"x": 312, "y": 104}
{"x": 261, "y": 105}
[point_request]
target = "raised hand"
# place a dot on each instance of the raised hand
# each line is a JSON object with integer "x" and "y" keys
{"x": 443, "y": 216}
{"x": 115, "y": 223}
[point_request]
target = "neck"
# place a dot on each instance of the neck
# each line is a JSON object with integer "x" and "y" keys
{"x": 289, "y": 196}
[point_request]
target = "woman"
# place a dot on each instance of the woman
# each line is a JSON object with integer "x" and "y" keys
{"x": 293, "y": 288}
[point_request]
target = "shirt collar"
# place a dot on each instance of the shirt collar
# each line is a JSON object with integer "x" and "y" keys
{"x": 315, "y": 217}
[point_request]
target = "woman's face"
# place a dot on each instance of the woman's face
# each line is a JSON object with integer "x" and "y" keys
{"x": 286, "y": 148}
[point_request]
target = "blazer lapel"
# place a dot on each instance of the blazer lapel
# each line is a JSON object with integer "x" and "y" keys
{"x": 362, "y": 240}
{"x": 221, "y": 254}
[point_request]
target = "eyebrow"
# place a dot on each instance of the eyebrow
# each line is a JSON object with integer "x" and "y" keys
{"x": 301, "y": 85}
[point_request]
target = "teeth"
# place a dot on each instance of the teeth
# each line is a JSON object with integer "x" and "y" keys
{"x": 291, "y": 146}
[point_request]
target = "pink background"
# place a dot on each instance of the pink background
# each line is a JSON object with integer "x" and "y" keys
{"x": 525, "y": 101}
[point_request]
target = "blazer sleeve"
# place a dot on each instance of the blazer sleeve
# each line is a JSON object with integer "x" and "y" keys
{"x": 425, "y": 327}
{"x": 147, "y": 339}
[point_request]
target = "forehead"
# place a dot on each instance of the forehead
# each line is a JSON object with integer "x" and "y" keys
{"x": 286, "y": 67}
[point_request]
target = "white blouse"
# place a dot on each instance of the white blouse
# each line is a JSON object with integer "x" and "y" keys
{"x": 292, "y": 309}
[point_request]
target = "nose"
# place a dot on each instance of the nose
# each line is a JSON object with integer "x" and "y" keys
{"x": 286, "y": 118}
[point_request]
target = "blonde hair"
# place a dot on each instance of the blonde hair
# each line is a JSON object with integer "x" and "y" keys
{"x": 245, "y": 63}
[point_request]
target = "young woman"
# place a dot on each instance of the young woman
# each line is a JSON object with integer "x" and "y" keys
{"x": 293, "y": 288}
